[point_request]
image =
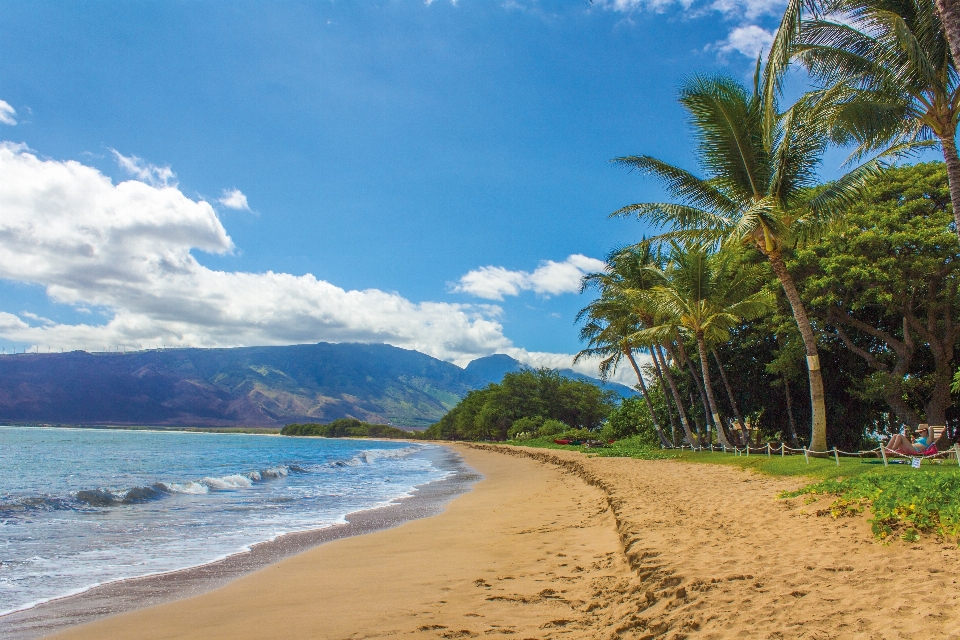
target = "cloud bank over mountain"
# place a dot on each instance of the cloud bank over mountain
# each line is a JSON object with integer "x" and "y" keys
{"x": 125, "y": 249}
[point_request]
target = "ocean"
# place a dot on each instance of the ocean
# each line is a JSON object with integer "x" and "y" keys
{"x": 82, "y": 507}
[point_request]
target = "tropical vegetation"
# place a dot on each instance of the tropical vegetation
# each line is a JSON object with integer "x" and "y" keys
{"x": 769, "y": 305}
{"x": 537, "y": 401}
{"x": 346, "y": 428}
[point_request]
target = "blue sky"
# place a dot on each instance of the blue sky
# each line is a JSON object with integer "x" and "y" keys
{"x": 388, "y": 149}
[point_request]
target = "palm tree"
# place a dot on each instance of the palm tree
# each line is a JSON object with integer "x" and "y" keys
{"x": 611, "y": 318}
{"x": 886, "y": 68}
{"x": 706, "y": 294}
{"x": 609, "y": 323}
{"x": 759, "y": 172}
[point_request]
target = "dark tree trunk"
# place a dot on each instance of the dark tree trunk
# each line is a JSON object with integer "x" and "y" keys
{"x": 701, "y": 432}
{"x": 680, "y": 362}
{"x": 684, "y": 421}
{"x": 793, "y": 423}
{"x": 818, "y": 405}
{"x": 733, "y": 400}
{"x": 667, "y": 398}
{"x": 646, "y": 396}
{"x": 949, "y": 145}
{"x": 697, "y": 382}
{"x": 950, "y": 17}
{"x": 708, "y": 385}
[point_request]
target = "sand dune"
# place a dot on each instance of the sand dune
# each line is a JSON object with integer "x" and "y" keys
{"x": 557, "y": 545}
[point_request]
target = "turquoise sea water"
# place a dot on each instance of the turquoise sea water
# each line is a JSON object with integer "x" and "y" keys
{"x": 80, "y": 507}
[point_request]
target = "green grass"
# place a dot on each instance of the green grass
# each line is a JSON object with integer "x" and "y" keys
{"x": 902, "y": 500}
{"x": 626, "y": 448}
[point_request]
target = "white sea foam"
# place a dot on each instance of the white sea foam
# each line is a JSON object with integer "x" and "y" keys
{"x": 235, "y": 481}
{"x": 185, "y": 487}
{"x": 159, "y": 501}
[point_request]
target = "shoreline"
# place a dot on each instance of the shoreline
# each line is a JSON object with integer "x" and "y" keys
{"x": 130, "y": 594}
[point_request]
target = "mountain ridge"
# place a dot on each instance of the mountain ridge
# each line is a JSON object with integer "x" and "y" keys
{"x": 240, "y": 386}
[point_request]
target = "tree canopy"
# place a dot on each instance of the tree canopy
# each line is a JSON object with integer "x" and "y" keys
{"x": 488, "y": 414}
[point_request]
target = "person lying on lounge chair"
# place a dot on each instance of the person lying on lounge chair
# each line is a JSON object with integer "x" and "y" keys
{"x": 902, "y": 444}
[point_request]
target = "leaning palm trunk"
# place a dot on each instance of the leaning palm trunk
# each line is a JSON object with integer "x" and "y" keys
{"x": 705, "y": 365}
{"x": 950, "y": 17}
{"x": 697, "y": 382}
{"x": 666, "y": 396}
{"x": 952, "y": 160}
{"x": 733, "y": 401}
{"x": 646, "y": 396}
{"x": 688, "y": 434}
{"x": 818, "y": 435}
{"x": 949, "y": 11}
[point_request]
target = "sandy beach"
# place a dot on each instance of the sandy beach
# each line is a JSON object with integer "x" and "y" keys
{"x": 556, "y": 544}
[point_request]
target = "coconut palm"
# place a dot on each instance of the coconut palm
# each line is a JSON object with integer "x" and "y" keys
{"x": 759, "y": 172}
{"x": 609, "y": 323}
{"x": 886, "y": 68}
{"x": 706, "y": 294}
{"x": 613, "y": 317}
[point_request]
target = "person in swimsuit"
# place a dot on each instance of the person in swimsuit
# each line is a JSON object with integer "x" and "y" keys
{"x": 903, "y": 444}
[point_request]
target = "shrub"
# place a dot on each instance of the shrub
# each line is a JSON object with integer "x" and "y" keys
{"x": 552, "y": 428}
{"x": 530, "y": 426}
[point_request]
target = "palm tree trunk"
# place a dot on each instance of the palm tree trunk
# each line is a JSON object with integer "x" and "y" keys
{"x": 949, "y": 145}
{"x": 655, "y": 351}
{"x": 793, "y": 423}
{"x": 705, "y": 365}
{"x": 676, "y": 398}
{"x": 698, "y": 429}
{"x": 701, "y": 432}
{"x": 818, "y": 430}
{"x": 733, "y": 400}
{"x": 646, "y": 396}
{"x": 950, "y": 17}
{"x": 696, "y": 382}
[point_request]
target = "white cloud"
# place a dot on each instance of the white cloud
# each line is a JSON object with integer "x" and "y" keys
{"x": 748, "y": 40}
{"x": 141, "y": 170}
{"x": 126, "y": 248}
{"x": 7, "y": 113}
{"x": 234, "y": 199}
{"x": 550, "y": 278}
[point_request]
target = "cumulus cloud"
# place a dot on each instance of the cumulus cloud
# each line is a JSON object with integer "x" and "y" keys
{"x": 7, "y": 113}
{"x": 550, "y": 278}
{"x": 126, "y": 248}
{"x": 234, "y": 199}
{"x": 141, "y": 170}
{"x": 749, "y": 40}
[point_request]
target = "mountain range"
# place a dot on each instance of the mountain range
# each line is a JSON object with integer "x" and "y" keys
{"x": 244, "y": 386}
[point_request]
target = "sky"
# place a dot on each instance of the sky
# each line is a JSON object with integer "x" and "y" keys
{"x": 433, "y": 175}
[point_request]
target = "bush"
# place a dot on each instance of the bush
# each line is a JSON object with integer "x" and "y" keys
{"x": 552, "y": 428}
{"x": 529, "y": 426}
{"x": 908, "y": 503}
{"x": 632, "y": 418}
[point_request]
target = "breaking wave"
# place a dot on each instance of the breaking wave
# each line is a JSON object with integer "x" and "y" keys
{"x": 103, "y": 497}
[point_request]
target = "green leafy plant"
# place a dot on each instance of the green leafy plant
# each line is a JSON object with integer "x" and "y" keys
{"x": 910, "y": 503}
